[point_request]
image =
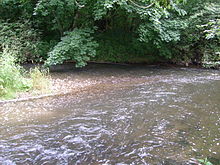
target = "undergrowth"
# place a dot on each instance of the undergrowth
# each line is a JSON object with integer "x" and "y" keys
{"x": 40, "y": 80}
{"x": 14, "y": 79}
{"x": 11, "y": 76}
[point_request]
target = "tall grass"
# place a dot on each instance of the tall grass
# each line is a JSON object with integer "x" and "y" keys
{"x": 40, "y": 80}
{"x": 11, "y": 76}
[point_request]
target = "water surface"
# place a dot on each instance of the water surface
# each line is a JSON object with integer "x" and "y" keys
{"x": 139, "y": 115}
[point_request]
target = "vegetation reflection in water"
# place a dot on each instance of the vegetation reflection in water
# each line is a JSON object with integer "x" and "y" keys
{"x": 169, "y": 120}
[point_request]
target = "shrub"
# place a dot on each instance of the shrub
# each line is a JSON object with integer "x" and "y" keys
{"x": 77, "y": 45}
{"x": 21, "y": 39}
{"x": 121, "y": 46}
{"x": 43, "y": 47}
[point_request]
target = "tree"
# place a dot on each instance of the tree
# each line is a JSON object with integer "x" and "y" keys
{"x": 174, "y": 30}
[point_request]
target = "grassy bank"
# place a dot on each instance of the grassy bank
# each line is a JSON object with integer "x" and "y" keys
{"x": 14, "y": 79}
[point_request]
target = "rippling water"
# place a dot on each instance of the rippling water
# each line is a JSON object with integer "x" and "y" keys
{"x": 144, "y": 116}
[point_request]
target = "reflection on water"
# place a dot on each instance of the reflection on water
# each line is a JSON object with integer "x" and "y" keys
{"x": 150, "y": 116}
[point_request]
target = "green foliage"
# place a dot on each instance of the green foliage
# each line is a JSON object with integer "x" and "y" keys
{"x": 205, "y": 161}
{"x": 19, "y": 38}
{"x": 212, "y": 27}
{"x": 211, "y": 59}
{"x": 42, "y": 49}
{"x": 199, "y": 41}
{"x": 11, "y": 77}
{"x": 14, "y": 79}
{"x": 119, "y": 46}
{"x": 13, "y": 10}
{"x": 162, "y": 34}
{"x": 55, "y": 15}
{"x": 178, "y": 30}
{"x": 77, "y": 45}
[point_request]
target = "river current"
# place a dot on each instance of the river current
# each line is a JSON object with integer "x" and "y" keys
{"x": 145, "y": 115}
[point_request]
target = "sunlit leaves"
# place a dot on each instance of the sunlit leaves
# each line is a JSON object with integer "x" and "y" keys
{"x": 212, "y": 27}
{"x": 77, "y": 45}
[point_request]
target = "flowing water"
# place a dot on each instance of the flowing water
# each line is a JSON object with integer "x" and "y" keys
{"x": 138, "y": 115}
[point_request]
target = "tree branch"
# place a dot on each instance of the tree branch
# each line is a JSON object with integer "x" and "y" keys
{"x": 142, "y": 7}
{"x": 80, "y": 6}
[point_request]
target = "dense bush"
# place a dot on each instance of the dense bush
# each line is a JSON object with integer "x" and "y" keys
{"x": 21, "y": 39}
{"x": 77, "y": 45}
{"x": 14, "y": 10}
{"x": 120, "y": 46}
{"x": 211, "y": 29}
{"x": 199, "y": 42}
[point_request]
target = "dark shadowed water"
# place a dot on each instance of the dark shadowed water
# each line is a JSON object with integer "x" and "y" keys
{"x": 143, "y": 115}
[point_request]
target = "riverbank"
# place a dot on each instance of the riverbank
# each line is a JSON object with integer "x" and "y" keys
{"x": 65, "y": 79}
{"x": 59, "y": 84}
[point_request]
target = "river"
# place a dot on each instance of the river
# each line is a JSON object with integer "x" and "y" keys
{"x": 139, "y": 115}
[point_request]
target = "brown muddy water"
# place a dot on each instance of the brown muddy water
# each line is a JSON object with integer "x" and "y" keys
{"x": 138, "y": 115}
